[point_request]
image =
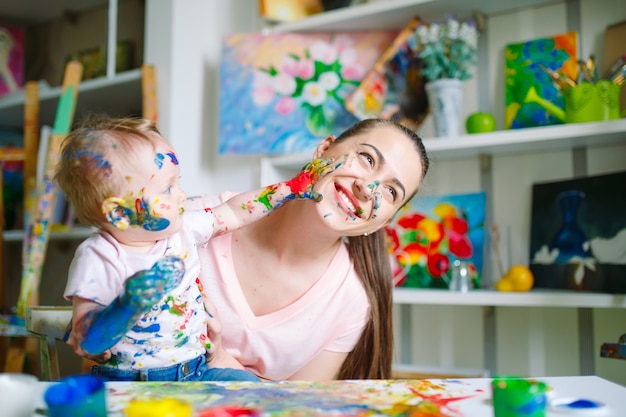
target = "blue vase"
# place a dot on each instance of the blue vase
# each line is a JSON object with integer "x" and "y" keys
{"x": 570, "y": 240}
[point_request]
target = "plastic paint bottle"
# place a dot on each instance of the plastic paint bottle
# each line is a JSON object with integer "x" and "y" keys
{"x": 77, "y": 396}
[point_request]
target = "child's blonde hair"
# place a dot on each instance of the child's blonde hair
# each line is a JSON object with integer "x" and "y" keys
{"x": 85, "y": 173}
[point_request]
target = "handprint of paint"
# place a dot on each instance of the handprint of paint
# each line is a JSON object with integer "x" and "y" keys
{"x": 141, "y": 292}
{"x": 301, "y": 186}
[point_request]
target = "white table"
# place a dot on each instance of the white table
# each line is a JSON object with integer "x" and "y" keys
{"x": 365, "y": 396}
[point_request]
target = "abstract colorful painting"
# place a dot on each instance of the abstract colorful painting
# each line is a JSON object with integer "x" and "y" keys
{"x": 11, "y": 59}
{"x": 532, "y": 98}
{"x": 394, "y": 88}
{"x": 283, "y": 93}
{"x": 578, "y": 234}
{"x": 362, "y": 398}
{"x": 431, "y": 232}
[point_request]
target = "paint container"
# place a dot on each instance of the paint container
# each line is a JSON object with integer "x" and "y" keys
{"x": 229, "y": 411}
{"x": 165, "y": 407}
{"x": 518, "y": 397}
{"x": 18, "y": 394}
{"x": 77, "y": 396}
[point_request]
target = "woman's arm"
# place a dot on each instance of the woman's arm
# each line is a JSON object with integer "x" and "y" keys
{"x": 323, "y": 367}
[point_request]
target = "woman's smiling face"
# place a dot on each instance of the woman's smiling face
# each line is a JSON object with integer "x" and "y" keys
{"x": 378, "y": 171}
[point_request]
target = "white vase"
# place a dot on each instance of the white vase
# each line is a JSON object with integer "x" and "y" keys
{"x": 445, "y": 97}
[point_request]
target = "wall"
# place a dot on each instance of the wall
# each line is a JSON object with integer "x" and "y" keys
{"x": 183, "y": 40}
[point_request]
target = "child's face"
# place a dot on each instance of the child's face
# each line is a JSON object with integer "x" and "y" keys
{"x": 151, "y": 197}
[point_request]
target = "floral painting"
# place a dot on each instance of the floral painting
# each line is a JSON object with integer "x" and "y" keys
{"x": 532, "y": 98}
{"x": 578, "y": 234}
{"x": 431, "y": 232}
{"x": 283, "y": 93}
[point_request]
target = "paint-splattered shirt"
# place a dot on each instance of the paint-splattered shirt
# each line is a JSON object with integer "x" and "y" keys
{"x": 330, "y": 316}
{"x": 174, "y": 330}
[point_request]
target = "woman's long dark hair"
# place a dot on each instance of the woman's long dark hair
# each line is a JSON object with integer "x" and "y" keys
{"x": 372, "y": 356}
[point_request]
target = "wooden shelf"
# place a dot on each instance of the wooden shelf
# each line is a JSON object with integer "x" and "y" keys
{"x": 534, "y": 298}
{"x": 395, "y": 14}
{"x": 77, "y": 233}
{"x": 117, "y": 95}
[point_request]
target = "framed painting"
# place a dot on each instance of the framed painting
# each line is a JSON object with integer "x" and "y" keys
{"x": 532, "y": 99}
{"x": 394, "y": 89}
{"x": 282, "y": 93}
{"x": 431, "y": 232}
{"x": 578, "y": 234}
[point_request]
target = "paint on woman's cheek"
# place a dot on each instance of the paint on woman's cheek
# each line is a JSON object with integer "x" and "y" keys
{"x": 376, "y": 205}
{"x": 373, "y": 187}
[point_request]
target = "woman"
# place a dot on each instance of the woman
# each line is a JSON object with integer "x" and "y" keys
{"x": 306, "y": 293}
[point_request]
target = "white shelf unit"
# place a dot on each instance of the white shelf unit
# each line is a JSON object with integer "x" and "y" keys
{"x": 491, "y": 298}
{"x": 115, "y": 94}
{"x": 275, "y": 168}
{"x": 393, "y": 15}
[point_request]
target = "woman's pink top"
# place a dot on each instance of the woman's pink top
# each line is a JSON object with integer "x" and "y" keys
{"x": 330, "y": 316}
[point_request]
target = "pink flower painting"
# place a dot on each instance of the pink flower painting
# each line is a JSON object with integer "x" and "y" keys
{"x": 284, "y": 92}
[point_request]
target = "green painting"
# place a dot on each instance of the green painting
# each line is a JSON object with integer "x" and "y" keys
{"x": 532, "y": 98}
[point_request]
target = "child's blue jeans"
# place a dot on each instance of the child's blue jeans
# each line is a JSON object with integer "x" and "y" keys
{"x": 193, "y": 370}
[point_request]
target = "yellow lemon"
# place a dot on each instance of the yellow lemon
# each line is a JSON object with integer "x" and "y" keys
{"x": 504, "y": 285}
{"x": 521, "y": 278}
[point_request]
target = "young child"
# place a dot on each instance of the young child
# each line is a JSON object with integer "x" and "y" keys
{"x": 134, "y": 283}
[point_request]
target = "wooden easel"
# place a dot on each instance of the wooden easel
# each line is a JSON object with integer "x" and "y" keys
{"x": 37, "y": 231}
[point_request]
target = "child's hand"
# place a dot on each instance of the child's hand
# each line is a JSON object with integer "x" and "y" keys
{"x": 102, "y": 329}
{"x": 147, "y": 287}
{"x": 302, "y": 184}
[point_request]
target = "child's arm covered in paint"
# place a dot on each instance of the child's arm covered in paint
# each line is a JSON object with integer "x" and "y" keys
{"x": 100, "y": 329}
{"x": 251, "y": 206}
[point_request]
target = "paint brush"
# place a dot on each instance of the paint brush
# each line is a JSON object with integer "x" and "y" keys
{"x": 561, "y": 80}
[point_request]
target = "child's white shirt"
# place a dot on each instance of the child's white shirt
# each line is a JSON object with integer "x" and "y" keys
{"x": 174, "y": 330}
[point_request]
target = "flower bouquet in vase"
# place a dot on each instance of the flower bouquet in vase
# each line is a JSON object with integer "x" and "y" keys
{"x": 446, "y": 51}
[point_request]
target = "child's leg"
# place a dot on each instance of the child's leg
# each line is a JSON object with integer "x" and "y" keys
{"x": 228, "y": 374}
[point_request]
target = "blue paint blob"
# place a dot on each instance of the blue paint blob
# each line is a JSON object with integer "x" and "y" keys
{"x": 582, "y": 403}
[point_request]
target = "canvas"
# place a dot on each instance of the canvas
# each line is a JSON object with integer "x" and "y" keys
{"x": 431, "y": 232}
{"x": 361, "y": 398}
{"x": 532, "y": 99}
{"x": 285, "y": 92}
{"x": 578, "y": 234}
{"x": 394, "y": 88}
{"x": 11, "y": 59}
